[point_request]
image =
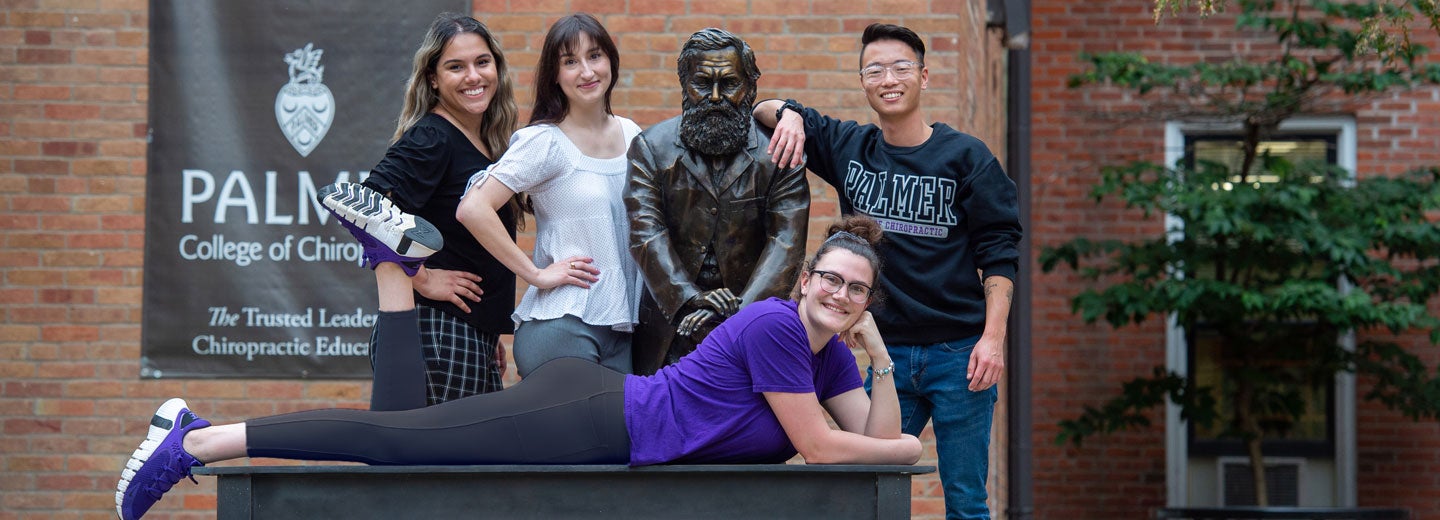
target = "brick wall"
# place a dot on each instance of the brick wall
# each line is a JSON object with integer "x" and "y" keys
{"x": 1123, "y": 475}
{"x": 73, "y": 95}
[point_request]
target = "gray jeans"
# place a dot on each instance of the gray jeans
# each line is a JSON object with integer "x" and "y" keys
{"x": 538, "y": 341}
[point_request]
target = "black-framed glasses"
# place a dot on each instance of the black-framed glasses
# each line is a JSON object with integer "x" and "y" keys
{"x": 857, "y": 292}
{"x": 902, "y": 70}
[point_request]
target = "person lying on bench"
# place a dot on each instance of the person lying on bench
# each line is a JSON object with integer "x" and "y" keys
{"x": 752, "y": 392}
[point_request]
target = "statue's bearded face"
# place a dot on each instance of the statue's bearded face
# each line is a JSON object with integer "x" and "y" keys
{"x": 718, "y": 96}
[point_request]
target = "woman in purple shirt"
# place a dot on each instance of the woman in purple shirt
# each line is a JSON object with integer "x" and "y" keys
{"x": 752, "y": 392}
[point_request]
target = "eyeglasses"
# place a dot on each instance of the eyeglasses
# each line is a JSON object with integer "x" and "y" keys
{"x": 857, "y": 292}
{"x": 902, "y": 70}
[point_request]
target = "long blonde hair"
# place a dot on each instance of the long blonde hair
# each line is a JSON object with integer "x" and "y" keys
{"x": 499, "y": 119}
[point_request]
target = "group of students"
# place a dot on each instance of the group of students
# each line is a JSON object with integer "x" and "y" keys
{"x": 440, "y": 236}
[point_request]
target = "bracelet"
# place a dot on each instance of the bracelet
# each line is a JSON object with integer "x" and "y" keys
{"x": 791, "y": 105}
{"x": 880, "y": 374}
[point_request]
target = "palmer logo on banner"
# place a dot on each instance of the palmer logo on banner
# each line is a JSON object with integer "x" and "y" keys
{"x": 253, "y": 106}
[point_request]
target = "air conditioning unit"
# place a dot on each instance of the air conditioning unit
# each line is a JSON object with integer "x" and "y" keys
{"x": 1282, "y": 481}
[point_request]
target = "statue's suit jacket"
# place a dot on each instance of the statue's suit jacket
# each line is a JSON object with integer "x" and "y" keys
{"x": 754, "y": 214}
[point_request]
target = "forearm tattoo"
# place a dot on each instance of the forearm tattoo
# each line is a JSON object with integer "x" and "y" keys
{"x": 1009, "y": 292}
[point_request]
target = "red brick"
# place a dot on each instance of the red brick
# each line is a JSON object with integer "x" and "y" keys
{"x": 132, "y": 38}
{"x": 100, "y": 167}
{"x": 18, "y": 147}
{"x": 122, "y": 222}
{"x": 42, "y": 128}
{"x": 96, "y": 241}
{"x": 19, "y": 259}
{"x": 652, "y": 7}
{"x": 37, "y": 37}
{"x": 41, "y": 167}
{"x": 105, "y": 93}
{"x": 108, "y": 57}
{"x": 600, "y": 8}
{"x": 42, "y": 92}
{"x": 28, "y": 426}
{"x": 72, "y": 111}
{"x": 32, "y": 56}
{"x": 36, "y": 19}
{"x": 64, "y": 483}
{"x": 122, "y": 112}
{"x": 95, "y": 130}
{"x": 70, "y": 296}
{"x": 102, "y": 315}
{"x": 780, "y": 8}
{"x": 743, "y": 26}
{"x": 481, "y": 7}
{"x": 98, "y": 19}
{"x": 35, "y": 240}
{"x": 112, "y": 204}
{"x": 724, "y": 7}
{"x": 130, "y": 148}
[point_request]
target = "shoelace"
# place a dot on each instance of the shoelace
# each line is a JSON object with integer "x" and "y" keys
{"x": 171, "y": 472}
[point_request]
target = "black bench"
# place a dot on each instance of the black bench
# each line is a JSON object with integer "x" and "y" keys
{"x": 1289, "y": 513}
{"x": 726, "y": 492}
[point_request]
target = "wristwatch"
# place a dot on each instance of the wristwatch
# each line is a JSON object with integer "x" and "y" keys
{"x": 790, "y": 104}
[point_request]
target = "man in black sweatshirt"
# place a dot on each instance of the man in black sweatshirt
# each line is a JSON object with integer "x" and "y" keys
{"x": 951, "y": 233}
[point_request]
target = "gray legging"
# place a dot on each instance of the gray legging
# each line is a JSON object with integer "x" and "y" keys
{"x": 568, "y": 411}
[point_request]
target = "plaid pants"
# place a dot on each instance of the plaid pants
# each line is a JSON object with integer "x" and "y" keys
{"x": 459, "y": 359}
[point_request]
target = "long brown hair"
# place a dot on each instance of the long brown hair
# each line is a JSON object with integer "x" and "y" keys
{"x": 498, "y": 121}
{"x": 551, "y": 105}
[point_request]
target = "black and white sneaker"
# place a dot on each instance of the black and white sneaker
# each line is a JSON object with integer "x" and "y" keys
{"x": 387, "y": 234}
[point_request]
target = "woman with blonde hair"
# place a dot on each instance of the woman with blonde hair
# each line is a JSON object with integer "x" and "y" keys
{"x": 458, "y": 114}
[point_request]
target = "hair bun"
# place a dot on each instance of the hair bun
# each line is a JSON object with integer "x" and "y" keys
{"x": 859, "y": 225}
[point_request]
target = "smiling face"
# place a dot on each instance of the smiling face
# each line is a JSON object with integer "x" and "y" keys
{"x": 889, "y": 96}
{"x": 465, "y": 77}
{"x": 584, "y": 72}
{"x": 829, "y": 313}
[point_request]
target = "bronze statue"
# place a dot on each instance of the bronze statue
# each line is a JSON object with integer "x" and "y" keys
{"x": 714, "y": 223}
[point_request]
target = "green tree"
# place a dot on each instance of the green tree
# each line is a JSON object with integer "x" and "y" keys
{"x": 1278, "y": 269}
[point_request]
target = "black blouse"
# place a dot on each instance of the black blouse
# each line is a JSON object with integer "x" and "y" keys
{"x": 425, "y": 173}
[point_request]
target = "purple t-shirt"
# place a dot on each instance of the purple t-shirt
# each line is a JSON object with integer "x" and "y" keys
{"x": 708, "y": 407}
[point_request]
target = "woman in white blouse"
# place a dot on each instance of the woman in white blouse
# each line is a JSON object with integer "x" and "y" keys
{"x": 570, "y": 161}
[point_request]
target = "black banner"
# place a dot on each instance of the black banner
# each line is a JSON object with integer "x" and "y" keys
{"x": 253, "y": 106}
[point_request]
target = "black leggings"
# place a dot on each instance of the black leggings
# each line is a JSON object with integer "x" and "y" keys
{"x": 568, "y": 411}
{"x": 398, "y": 362}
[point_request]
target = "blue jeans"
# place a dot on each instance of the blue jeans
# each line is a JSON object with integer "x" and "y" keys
{"x": 930, "y": 380}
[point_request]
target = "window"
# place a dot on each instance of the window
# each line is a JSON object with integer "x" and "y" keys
{"x": 1312, "y": 435}
{"x": 1326, "y": 439}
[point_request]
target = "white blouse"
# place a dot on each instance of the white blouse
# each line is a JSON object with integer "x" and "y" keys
{"x": 579, "y": 211}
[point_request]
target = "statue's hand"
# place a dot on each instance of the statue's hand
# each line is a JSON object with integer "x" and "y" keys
{"x": 692, "y": 322}
{"x": 720, "y": 300}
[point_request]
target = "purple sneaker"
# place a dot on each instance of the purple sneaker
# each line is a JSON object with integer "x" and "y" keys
{"x": 159, "y": 462}
{"x": 387, "y": 234}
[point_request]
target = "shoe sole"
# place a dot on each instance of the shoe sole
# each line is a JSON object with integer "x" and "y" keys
{"x": 362, "y": 207}
{"x": 160, "y": 425}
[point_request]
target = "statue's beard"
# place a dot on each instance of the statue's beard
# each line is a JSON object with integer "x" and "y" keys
{"x": 714, "y": 128}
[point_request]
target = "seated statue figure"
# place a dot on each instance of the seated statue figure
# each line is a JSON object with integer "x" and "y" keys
{"x": 715, "y": 224}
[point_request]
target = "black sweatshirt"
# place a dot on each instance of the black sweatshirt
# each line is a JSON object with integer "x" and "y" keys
{"x": 947, "y": 209}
